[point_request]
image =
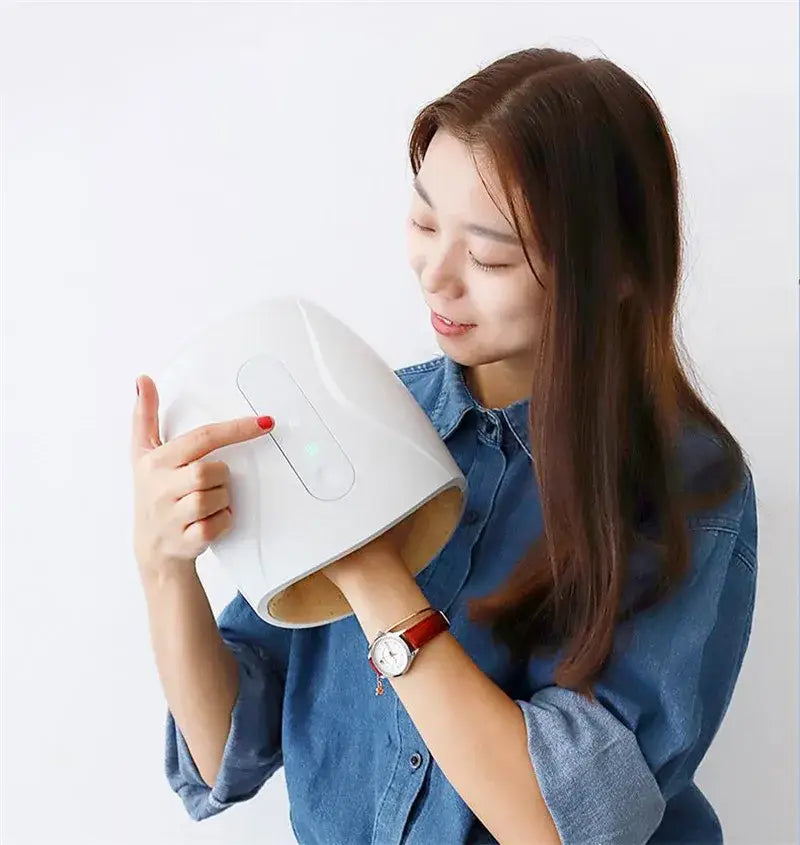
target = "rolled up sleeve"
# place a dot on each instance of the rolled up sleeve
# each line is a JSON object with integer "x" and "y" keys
{"x": 591, "y": 771}
{"x": 253, "y": 749}
{"x": 607, "y": 769}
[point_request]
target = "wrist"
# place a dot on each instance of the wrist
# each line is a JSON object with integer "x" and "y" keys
{"x": 381, "y": 596}
{"x": 159, "y": 575}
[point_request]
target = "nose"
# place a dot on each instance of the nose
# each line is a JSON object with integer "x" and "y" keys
{"x": 439, "y": 275}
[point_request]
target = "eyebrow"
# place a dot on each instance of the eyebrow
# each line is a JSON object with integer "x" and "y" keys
{"x": 486, "y": 232}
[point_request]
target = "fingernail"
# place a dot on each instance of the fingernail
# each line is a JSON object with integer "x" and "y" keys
{"x": 266, "y": 422}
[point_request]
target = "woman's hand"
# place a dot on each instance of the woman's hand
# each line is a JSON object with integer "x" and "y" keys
{"x": 181, "y": 503}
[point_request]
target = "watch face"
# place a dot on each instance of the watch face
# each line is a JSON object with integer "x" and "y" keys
{"x": 391, "y": 655}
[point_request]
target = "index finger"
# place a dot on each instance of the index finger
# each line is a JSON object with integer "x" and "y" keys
{"x": 200, "y": 441}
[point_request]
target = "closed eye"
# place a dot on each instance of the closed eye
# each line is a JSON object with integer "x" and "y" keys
{"x": 474, "y": 261}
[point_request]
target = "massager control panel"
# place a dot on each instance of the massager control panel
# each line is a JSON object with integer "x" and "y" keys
{"x": 300, "y": 434}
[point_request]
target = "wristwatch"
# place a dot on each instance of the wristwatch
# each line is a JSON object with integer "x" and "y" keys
{"x": 391, "y": 652}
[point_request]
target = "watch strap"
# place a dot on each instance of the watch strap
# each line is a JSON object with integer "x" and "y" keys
{"x": 426, "y": 629}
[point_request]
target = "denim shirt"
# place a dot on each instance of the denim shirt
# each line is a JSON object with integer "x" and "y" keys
{"x": 619, "y": 770}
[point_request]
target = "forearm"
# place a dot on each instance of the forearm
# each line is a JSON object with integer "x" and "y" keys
{"x": 474, "y": 731}
{"x": 199, "y": 674}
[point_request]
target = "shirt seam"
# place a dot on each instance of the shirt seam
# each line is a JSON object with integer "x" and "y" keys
{"x": 749, "y": 565}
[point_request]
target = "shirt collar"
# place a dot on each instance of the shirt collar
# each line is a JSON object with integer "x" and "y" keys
{"x": 455, "y": 399}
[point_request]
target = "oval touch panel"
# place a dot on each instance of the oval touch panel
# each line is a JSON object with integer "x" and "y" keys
{"x": 301, "y": 435}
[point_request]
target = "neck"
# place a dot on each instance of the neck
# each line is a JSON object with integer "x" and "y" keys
{"x": 499, "y": 383}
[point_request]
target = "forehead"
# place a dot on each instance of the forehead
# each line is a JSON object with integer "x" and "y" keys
{"x": 452, "y": 181}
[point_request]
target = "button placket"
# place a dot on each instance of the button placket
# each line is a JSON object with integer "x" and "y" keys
{"x": 489, "y": 425}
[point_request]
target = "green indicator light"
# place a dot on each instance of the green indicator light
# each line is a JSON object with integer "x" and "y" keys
{"x": 312, "y": 449}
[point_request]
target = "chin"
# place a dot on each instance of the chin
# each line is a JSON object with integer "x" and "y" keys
{"x": 472, "y": 357}
{"x": 459, "y": 355}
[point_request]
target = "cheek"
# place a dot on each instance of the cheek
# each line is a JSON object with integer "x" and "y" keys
{"x": 509, "y": 302}
{"x": 510, "y": 315}
{"x": 416, "y": 257}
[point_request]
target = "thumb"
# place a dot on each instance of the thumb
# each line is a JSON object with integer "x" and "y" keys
{"x": 145, "y": 418}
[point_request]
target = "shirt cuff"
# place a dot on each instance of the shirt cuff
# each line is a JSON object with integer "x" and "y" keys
{"x": 253, "y": 749}
{"x": 591, "y": 771}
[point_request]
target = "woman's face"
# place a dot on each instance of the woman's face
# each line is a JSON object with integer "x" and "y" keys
{"x": 502, "y": 302}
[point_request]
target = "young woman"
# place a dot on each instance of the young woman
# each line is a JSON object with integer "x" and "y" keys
{"x": 599, "y": 589}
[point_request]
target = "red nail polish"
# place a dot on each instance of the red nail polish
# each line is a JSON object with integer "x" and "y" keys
{"x": 266, "y": 422}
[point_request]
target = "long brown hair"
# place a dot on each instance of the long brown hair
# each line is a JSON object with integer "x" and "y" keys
{"x": 588, "y": 169}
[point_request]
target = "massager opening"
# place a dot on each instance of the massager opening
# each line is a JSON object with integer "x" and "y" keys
{"x": 314, "y": 598}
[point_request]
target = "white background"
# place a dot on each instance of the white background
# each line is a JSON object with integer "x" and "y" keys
{"x": 164, "y": 163}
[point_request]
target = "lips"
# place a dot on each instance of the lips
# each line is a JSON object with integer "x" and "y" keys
{"x": 455, "y": 322}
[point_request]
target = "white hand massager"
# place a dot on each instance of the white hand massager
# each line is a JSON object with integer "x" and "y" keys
{"x": 351, "y": 454}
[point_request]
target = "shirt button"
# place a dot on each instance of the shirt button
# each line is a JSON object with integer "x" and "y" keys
{"x": 470, "y": 517}
{"x": 416, "y": 760}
